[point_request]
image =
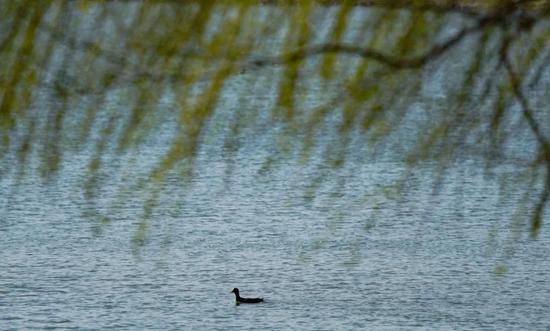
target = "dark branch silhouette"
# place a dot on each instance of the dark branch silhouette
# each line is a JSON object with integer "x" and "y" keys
{"x": 369, "y": 53}
{"x": 544, "y": 146}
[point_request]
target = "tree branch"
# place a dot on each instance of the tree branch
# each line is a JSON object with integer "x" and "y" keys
{"x": 536, "y": 220}
{"x": 526, "y": 110}
{"x": 544, "y": 145}
{"x": 369, "y": 53}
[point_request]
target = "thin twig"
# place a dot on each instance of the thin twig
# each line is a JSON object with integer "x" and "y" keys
{"x": 544, "y": 146}
{"x": 369, "y": 53}
{"x": 526, "y": 110}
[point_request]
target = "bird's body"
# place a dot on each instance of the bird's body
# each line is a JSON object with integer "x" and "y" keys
{"x": 239, "y": 299}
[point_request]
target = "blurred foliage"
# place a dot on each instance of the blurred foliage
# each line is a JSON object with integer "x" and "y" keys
{"x": 70, "y": 67}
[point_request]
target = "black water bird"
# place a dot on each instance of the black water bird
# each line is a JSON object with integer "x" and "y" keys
{"x": 238, "y": 298}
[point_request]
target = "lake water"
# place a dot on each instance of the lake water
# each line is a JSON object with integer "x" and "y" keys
{"x": 348, "y": 257}
{"x": 328, "y": 249}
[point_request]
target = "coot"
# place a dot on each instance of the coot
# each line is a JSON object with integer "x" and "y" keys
{"x": 245, "y": 300}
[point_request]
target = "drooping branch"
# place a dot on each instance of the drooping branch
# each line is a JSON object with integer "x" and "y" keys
{"x": 526, "y": 109}
{"x": 544, "y": 145}
{"x": 369, "y": 53}
{"x": 536, "y": 220}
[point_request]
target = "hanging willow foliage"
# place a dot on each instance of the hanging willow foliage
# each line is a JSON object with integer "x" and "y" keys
{"x": 68, "y": 67}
